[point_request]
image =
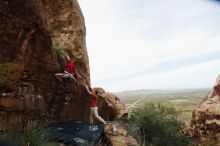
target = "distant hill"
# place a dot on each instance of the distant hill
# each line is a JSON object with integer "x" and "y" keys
{"x": 162, "y": 93}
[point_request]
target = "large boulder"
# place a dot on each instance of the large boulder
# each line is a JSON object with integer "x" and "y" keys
{"x": 110, "y": 106}
{"x": 206, "y": 117}
{"x": 116, "y": 134}
{"x": 35, "y": 35}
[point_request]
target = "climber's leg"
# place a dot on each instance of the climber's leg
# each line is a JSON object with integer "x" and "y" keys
{"x": 69, "y": 75}
{"x": 91, "y": 115}
{"x": 97, "y": 116}
{"x": 59, "y": 76}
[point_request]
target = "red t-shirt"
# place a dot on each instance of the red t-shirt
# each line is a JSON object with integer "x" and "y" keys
{"x": 94, "y": 99}
{"x": 70, "y": 66}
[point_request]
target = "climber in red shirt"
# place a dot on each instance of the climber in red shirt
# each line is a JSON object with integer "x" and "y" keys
{"x": 93, "y": 106}
{"x": 70, "y": 66}
{"x": 69, "y": 70}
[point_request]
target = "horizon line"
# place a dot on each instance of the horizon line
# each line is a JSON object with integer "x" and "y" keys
{"x": 170, "y": 89}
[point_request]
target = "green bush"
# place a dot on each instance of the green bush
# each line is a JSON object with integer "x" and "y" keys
{"x": 157, "y": 125}
{"x": 4, "y": 69}
{"x": 34, "y": 134}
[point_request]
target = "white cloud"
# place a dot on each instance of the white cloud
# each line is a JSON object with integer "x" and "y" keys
{"x": 196, "y": 76}
{"x": 124, "y": 37}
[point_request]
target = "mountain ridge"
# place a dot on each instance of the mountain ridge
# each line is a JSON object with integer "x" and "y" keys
{"x": 147, "y": 92}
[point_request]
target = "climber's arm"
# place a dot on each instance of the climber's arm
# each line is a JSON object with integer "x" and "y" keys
{"x": 68, "y": 58}
{"x": 77, "y": 74}
{"x": 88, "y": 89}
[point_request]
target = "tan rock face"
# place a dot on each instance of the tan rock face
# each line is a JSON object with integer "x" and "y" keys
{"x": 28, "y": 60}
{"x": 110, "y": 106}
{"x": 34, "y": 36}
{"x": 117, "y": 135}
{"x": 206, "y": 116}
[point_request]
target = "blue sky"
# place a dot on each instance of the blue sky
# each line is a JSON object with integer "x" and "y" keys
{"x": 152, "y": 44}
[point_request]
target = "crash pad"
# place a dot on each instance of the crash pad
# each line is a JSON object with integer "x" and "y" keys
{"x": 75, "y": 132}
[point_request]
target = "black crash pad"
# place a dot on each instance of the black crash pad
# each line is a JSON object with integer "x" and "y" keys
{"x": 75, "y": 133}
{"x": 4, "y": 142}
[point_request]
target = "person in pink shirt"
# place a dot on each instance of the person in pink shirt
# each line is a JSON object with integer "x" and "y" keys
{"x": 93, "y": 106}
